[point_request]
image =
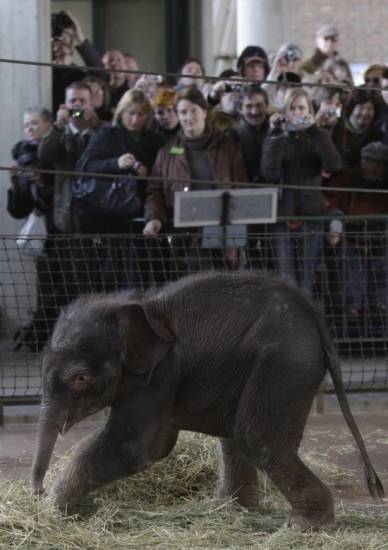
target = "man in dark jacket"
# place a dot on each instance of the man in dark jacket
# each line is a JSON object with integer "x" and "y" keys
{"x": 253, "y": 127}
{"x": 62, "y": 146}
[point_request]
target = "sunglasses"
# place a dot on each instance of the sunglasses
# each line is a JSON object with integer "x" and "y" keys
{"x": 332, "y": 38}
{"x": 372, "y": 80}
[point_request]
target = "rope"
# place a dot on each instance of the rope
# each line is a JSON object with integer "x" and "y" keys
{"x": 244, "y": 185}
{"x": 240, "y": 79}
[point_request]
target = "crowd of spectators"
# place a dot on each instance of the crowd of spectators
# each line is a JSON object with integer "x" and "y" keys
{"x": 264, "y": 121}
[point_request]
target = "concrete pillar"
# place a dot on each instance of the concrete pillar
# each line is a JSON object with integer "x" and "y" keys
{"x": 24, "y": 35}
{"x": 261, "y": 23}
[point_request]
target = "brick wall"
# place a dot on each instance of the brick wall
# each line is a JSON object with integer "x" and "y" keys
{"x": 363, "y": 26}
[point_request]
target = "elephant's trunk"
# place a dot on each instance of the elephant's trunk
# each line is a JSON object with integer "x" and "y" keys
{"x": 51, "y": 420}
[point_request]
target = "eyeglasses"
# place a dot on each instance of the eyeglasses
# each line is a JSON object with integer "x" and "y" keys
{"x": 372, "y": 80}
{"x": 332, "y": 38}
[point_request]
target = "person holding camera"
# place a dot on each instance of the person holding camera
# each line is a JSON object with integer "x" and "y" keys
{"x": 75, "y": 122}
{"x": 295, "y": 153}
{"x": 224, "y": 97}
{"x": 287, "y": 61}
{"x": 66, "y": 37}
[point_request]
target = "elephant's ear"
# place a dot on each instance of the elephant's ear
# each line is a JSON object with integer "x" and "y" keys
{"x": 144, "y": 339}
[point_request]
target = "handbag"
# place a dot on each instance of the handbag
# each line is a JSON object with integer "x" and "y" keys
{"x": 32, "y": 236}
{"x": 118, "y": 199}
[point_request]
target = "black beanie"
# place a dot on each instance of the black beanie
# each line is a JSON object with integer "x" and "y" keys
{"x": 252, "y": 51}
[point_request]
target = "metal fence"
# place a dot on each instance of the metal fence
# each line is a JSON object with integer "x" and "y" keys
{"x": 343, "y": 266}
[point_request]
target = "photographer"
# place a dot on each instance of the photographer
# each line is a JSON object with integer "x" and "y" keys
{"x": 75, "y": 122}
{"x": 225, "y": 96}
{"x": 66, "y": 36}
{"x": 287, "y": 60}
{"x": 296, "y": 152}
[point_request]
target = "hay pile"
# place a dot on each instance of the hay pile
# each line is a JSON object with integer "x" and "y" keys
{"x": 171, "y": 506}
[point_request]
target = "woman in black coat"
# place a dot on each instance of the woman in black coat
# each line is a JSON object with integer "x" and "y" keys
{"x": 296, "y": 153}
{"x": 126, "y": 148}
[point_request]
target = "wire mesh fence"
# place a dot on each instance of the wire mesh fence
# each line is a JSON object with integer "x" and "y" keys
{"x": 343, "y": 266}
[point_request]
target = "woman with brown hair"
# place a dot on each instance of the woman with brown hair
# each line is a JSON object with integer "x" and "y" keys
{"x": 198, "y": 152}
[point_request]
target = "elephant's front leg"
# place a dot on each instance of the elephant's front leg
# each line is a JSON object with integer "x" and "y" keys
{"x": 109, "y": 455}
{"x": 238, "y": 479}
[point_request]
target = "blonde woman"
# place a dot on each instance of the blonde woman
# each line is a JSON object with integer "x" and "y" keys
{"x": 296, "y": 153}
{"x": 125, "y": 148}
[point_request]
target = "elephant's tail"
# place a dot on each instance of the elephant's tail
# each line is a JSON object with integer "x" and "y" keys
{"x": 375, "y": 486}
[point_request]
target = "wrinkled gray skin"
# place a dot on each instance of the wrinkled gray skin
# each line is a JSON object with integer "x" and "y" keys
{"x": 236, "y": 356}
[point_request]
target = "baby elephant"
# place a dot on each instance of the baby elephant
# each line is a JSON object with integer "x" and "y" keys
{"x": 237, "y": 356}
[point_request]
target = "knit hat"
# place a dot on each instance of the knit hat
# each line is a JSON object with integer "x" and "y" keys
{"x": 376, "y": 151}
{"x": 252, "y": 53}
{"x": 327, "y": 31}
{"x": 164, "y": 97}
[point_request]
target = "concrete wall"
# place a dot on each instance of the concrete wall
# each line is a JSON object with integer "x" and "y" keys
{"x": 20, "y": 85}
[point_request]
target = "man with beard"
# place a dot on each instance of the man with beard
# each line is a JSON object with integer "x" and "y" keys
{"x": 253, "y": 127}
{"x": 250, "y": 134}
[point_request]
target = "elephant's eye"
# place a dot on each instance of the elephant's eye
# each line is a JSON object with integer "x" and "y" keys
{"x": 81, "y": 381}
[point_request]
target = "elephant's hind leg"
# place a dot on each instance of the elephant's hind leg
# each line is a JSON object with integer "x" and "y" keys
{"x": 268, "y": 430}
{"x": 238, "y": 478}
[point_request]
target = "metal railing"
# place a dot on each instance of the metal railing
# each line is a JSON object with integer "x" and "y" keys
{"x": 345, "y": 273}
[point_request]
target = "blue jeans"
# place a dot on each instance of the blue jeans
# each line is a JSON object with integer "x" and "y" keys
{"x": 297, "y": 252}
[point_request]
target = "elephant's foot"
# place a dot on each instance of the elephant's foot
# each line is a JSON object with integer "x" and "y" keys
{"x": 66, "y": 499}
{"x": 303, "y": 523}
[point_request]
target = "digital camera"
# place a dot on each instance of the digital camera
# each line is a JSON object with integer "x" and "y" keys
{"x": 76, "y": 113}
{"x": 59, "y": 22}
{"x": 287, "y": 126}
{"x": 232, "y": 88}
{"x": 334, "y": 112}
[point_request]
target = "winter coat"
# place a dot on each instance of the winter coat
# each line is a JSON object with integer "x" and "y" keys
{"x": 355, "y": 140}
{"x": 298, "y": 158}
{"x": 26, "y": 195}
{"x": 107, "y": 145}
{"x": 251, "y": 141}
{"x": 62, "y": 148}
{"x": 225, "y": 161}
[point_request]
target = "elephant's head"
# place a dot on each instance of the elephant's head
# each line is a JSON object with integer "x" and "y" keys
{"x": 97, "y": 342}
